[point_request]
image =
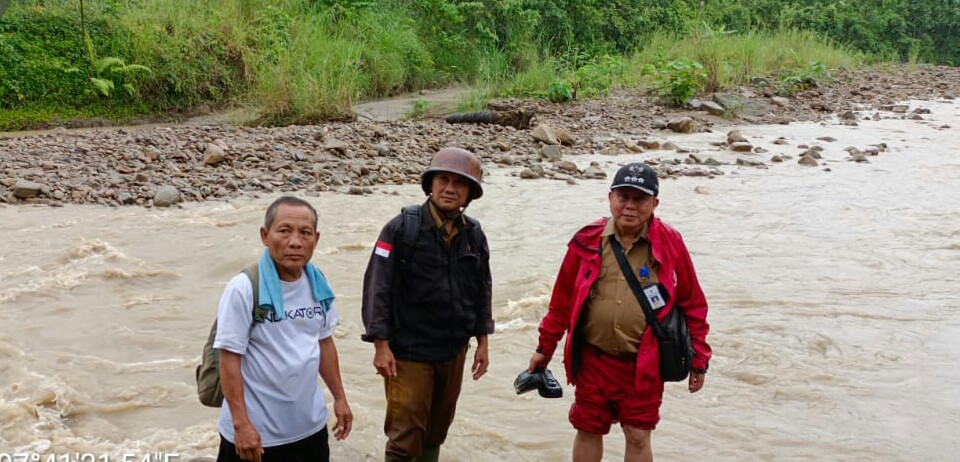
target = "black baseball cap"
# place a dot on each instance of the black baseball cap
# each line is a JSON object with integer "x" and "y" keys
{"x": 637, "y": 176}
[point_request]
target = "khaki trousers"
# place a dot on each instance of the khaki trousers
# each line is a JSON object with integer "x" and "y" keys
{"x": 421, "y": 403}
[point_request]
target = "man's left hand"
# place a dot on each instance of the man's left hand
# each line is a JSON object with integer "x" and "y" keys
{"x": 481, "y": 360}
{"x": 696, "y": 381}
{"x": 344, "y": 419}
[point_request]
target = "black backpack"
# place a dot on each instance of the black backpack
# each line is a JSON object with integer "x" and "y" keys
{"x": 410, "y": 233}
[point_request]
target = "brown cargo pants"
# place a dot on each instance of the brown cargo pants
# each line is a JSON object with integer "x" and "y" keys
{"x": 421, "y": 403}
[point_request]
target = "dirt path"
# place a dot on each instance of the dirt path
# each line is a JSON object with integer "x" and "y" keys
{"x": 397, "y": 108}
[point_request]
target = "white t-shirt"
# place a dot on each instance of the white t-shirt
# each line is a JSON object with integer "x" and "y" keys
{"x": 280, "y": 360}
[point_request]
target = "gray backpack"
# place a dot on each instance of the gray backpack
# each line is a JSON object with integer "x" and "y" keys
{"x": 208, "y": 372}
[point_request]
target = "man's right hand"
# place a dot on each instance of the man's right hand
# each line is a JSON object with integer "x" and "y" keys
{"x": 246, "y": 439}
{"x": 247, "y": 442}
{"x": 383, "y": 359}
{"x": 538, "y": 361}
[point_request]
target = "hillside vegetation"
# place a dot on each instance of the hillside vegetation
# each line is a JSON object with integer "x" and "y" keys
{"x": 301, "y": 61}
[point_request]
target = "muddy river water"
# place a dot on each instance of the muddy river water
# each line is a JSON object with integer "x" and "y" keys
{"x": 833, "y": 303}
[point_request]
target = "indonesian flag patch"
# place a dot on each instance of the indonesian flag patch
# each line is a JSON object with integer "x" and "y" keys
{"x": 383, "y": 249}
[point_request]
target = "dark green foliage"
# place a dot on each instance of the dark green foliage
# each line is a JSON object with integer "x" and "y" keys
{"x": 559, "y": 92}
{"x": 227, "y": 51}
{"x": 460, "y": 33}
{"x": 36, "y": 49}
{"x": 605, "y": 26}
{"x": 924, "y": 30}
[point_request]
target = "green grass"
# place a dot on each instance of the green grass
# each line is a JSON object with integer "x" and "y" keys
{"x": 476, "y": 99}
{"x": 728, "y": 60}
{"x": 733, "y": 59}
{"x": 34, "y": 117}
{"x": 204, "y": 53}
{"x": 317, "y": 76}
{"x": 534, "y": 81}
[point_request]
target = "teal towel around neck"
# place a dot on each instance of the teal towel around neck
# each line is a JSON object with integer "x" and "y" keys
{"x": 271, "y": 294}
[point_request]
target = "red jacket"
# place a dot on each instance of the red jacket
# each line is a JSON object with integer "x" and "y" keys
{"x": 579, "y": 271}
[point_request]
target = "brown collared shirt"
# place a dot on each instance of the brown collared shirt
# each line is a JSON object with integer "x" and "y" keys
{"x": 439, "y": 220}
{"x": 614, "y": 320}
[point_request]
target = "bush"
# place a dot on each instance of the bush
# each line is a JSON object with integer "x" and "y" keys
{"x": 559, "y": 92}
{"x": 803, "y": 79}
{"x": 597, "y": 77}
{"x": 678, "y": 81}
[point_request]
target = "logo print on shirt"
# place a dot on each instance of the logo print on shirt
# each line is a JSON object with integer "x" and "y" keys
{"x": 300, "y": 313}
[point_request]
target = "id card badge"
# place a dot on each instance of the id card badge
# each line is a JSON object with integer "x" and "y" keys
{"x": 654, "y": 297}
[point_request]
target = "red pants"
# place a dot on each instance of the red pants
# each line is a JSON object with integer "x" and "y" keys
{"x": 605, "y": 393}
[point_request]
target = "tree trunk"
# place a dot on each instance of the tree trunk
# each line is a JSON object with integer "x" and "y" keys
{"x": 3, "y": 7}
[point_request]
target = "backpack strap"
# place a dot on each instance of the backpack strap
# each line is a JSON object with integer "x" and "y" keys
{"x": 410, "y": 231}
{"x": 472, "y": 236}
{"x": 208, "y": 371}
{"x": 253, "y": 274}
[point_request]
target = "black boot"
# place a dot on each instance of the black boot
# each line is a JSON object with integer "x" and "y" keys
{"x": 428, "y": 454}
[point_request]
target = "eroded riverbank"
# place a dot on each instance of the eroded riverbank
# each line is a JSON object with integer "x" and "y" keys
{"x": 173, "y": 164}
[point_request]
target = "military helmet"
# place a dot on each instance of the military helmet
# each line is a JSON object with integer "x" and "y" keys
{"x": 455, "y": 160}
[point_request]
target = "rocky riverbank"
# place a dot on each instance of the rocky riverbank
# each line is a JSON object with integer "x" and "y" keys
{"x": 165, "y": 166}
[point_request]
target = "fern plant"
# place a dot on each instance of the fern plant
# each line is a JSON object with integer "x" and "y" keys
{"x": 106, "y": 73}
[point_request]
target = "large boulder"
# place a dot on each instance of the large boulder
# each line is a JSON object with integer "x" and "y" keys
{"x": 24, "y": 189}
{"x": 213, "y": 155}
{"x": 734, "y": 136}
{"x": 729, "y": 101}
{"x": 682, "y": 125}
{"x": 565, "y": 137}
{"x": 545, "y": 134}
{"x": 566, "y": 166}
{"x": 713, "y": 108}
{"x": 166, "y": 196}
{"x": 551, "y": 153}
{"x": 594, "y": 171}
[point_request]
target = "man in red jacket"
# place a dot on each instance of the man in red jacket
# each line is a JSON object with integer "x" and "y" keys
{"x": 610, "y": 355}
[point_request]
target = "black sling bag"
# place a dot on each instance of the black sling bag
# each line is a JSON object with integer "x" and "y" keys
{"x": 672, "y": 335}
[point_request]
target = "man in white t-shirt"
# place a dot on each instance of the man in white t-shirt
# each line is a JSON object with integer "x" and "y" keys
{"x": 274, "y": 408}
